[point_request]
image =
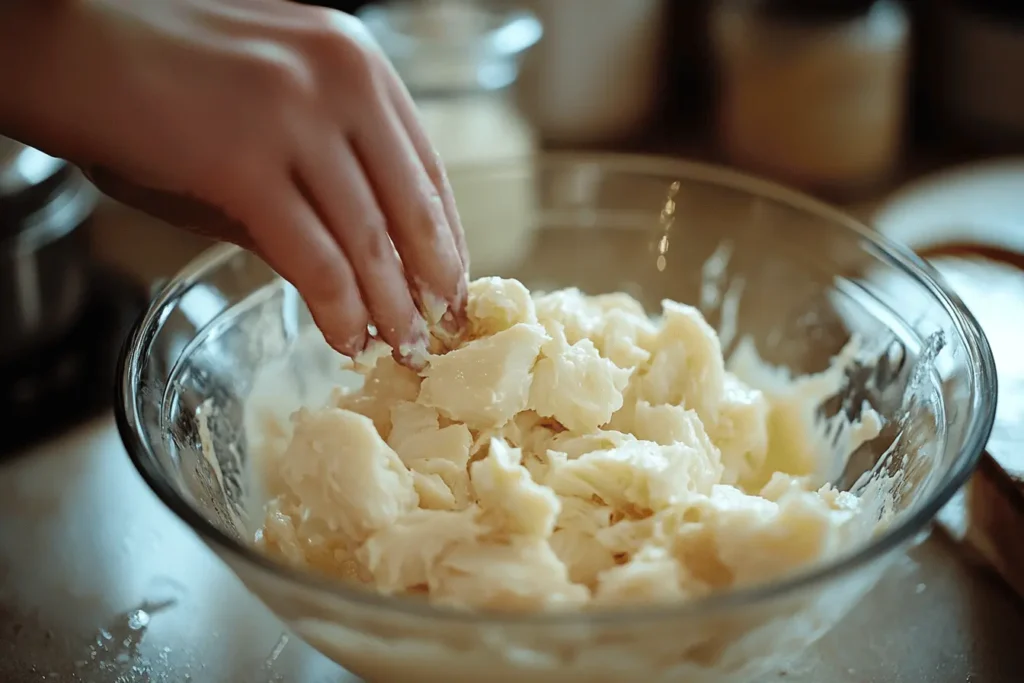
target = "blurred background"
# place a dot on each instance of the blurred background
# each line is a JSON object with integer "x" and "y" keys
{"x": 843, "y": 97}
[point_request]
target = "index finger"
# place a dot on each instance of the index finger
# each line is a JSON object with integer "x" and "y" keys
{"x": 432, "y": 162}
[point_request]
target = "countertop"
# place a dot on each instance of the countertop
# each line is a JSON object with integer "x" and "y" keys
{"x": 99, "y": 583}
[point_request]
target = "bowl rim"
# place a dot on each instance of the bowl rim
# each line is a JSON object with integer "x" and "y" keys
{"x": 892, "y": 538}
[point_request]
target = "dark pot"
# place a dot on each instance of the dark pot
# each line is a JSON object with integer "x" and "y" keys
{"x": 44, "y": 253}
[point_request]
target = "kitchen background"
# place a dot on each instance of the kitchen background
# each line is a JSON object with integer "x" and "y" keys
{"x": 923, "y": 82}
{"x": 910, "y": 114}
{"x": 847, "y": 99}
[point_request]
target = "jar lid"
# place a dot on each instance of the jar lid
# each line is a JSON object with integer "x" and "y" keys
{"x": 452, "y": 45}
{"x": 32, "y": 183}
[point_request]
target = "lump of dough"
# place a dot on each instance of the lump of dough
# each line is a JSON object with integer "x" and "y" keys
{"x": 417, "y": 435}
{"x": 616, "y": 324}
{"x": 575, "y": 445}
{"x": 523, "y": 574}
{"x": 403, "y": 555}
{"x": 652, "y": 575}
{"x": 624, "y": 337}
{"x": 753, "y": 539}
{"x": 638, "y": 475}
{"x": 575, "y": 385}
{"x": 580, "y": 315}
{"x": 686, "y": 366}
{"x": 741, "y": 431}
{"x": 571, "y": 309}
{"x": 530, "y": 432}
{"x": 344, "y": 474}
{"x": 576, "y": 539}
{"x": 486, "y": 382}
{"x": 437, "y": 456}
{"x": 278, "y": 533}
{"x": 433, "y": 491}
{"x": 496, "y": 304}
{"x": 669, "y": 424}
{"x": 383, "y": 385}
{"x": 505, "y": 490}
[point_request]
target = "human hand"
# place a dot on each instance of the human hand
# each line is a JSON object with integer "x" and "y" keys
{"x": 290, "y": 132}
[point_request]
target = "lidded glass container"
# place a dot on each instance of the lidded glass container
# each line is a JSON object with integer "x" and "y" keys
{"x": 458, "y": 59}
{"x": 813, "y": 93}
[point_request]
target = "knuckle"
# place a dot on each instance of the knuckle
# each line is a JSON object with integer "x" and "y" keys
{"x": 286, "y": 76}
{"x": 350, "y": 27}
{"x": 374, "y": 242}
{"x": 340, "y": 43}
{"x": 345, "y": 54}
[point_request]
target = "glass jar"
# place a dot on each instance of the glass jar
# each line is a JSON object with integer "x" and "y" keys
{"x": 458, "y": 60}
{"x": 598, "y": 77}
{"x": 813, "y": 93}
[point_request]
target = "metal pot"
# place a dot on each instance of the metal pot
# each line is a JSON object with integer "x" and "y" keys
{"x": 44, "y": 255}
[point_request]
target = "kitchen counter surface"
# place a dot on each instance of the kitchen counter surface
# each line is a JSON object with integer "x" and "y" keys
{"x": 99, "y": 583}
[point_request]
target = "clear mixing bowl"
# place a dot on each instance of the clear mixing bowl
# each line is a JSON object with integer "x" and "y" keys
{"x": 795, "y": 275}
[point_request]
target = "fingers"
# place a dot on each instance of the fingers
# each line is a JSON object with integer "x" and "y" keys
{"x": 346, "y": 204}
{"x": 290, "y": 237}
{"x": 405, "y": 108}
{"x": 415, "y": 212}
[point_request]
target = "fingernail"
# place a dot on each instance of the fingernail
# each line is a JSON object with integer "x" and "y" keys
{"x": 461, "y": 296}
{"x": 457, "y": 309}
{"x": 447, "y": 316}
{"x": 355, "y": 344}
{"x": 414, "y": 352}
{"x": 413, "y": 355}
{"x": 452, "y": 323}
{"x": 430, "y": 306}
{"x": 438, "y": 346}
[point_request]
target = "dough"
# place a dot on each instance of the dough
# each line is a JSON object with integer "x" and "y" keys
{"x": 571, "y": 451}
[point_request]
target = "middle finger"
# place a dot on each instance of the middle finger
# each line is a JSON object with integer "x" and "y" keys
{"x": 415, "y": 211}
{"x": 333, "y": 176}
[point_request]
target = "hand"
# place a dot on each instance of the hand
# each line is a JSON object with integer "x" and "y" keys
{"x": 290, "y": 130}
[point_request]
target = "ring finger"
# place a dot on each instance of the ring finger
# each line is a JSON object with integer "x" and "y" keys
{"x": 346, "y": 202}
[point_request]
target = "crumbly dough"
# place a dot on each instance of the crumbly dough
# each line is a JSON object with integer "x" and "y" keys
{"x": 571, "y": 451}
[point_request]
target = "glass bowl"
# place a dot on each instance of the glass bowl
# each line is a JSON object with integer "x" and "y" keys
{"x": 795, "y": 275}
